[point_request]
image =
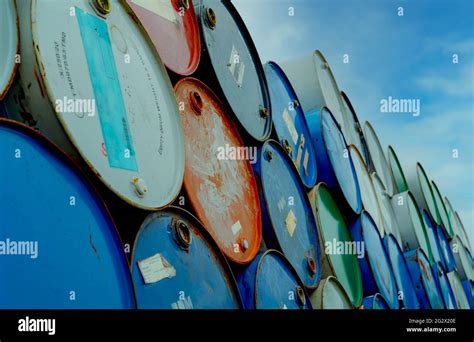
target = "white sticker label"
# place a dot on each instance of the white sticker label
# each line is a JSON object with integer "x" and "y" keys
{"x": 163, "y": 8}
{"x": 290, "y": 222}
{"x": 300, "y": 153}
{"x": 236, "y": 66}
{"x": 155, "y": 268}
{"x": 305, "y": 162}
{"x": 236, "y": 227}
{"x": 281, "y": 204}
{"x": 290, "y": 125}
{"x": 183, "y": 304}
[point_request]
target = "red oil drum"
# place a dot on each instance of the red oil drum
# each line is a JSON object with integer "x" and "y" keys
{"x": 219, "y": 180}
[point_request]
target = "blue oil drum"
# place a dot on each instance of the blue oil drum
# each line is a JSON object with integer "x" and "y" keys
{"x": 444, "y": 247}
{"x": 444, "y": 287}
{"x": 270, "y": 282}
{"x": 60, "y": 247}
{"x": 290, "y": 124}
{"x": 375, "y": 302}
{"x": 468, "y": 287}
{"x": 375, "y": 266}
{"x": 430, "y": 227}
{"x": 334, "y": 162}
{"x": 176, "y": 265}
{"x": 406, "y": 289}
{"x": 288, "y": 222}
{"x": 422, "y": 277}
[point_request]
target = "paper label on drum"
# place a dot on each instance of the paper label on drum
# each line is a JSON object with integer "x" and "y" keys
{"x": 236, "y": 67}
{"x": 162, "y": 8}
{"x": 305, "y": 162}
{"x": 183, "y": 304}
{"x": 300, "y": 152}
{"x": 290, "y": 222}
{"x": 107, "y": 91}
{"x": 236, "y": 227}
{"x": 290, "y": 125}
{"x": 155, "y": 268}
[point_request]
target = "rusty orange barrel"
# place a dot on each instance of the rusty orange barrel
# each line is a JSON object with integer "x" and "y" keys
{"x": 173, "y": 28}
{"x": 218, "y": 177}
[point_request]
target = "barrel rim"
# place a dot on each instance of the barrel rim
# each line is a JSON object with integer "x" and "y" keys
{"x": 439, "y": 198}
{"x": 14, "y": 68}
{"x": 420, "y": 172}
{"x": 332, "y": 279}
{"x": 392, "y": 156}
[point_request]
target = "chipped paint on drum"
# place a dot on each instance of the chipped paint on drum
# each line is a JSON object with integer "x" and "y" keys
{"x": 422, "y": 277}
{"x": 378, "y": 162}
{"x": 9, "y": 41}
{"x": 375, "y": 266}
{"x": 462, "y": 301}
{"x": 420, "y": 187}
{"x": 174, "y": 31}
{"x": 367, "y": 190}
{"x": 218, "y": 181}
{"x": 410, "y": 222}
{"x": 288, "y": 222}
{"x": 375, "y": 302}
{"x": 335, "y": 166}
{"x": 230, "y": 58}
{"x": 58, "y": 68}
{"x": 449, "y": 262}
{"x": 398, "y": 175}
{"x": 463, "y": 259}
{"x": 443, "y": 213}
{"x": 259, "y": 289}
{"x": 290, "y": 124}
{"x": 177, "y": 265}
{"x": 330, "y": 295}
{"x": 444, "y": 286}
{"x": 78, "y": 250}
{"x": 468, "y": 287}
{"x": 390, "y": 222}
{"x": 332, "y": 228}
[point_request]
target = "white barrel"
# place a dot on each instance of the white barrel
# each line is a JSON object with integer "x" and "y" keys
{"x": 9, "y": 44}
{"x": 459, "y": 294}
{"x": 351, "y": 129}
{"x": 330, "y": 295}
{"x": 463, "y": 259}
{"x": 94, "y": 85}
{"x": 377, "y": 158}
{"x": 462, "y": 232}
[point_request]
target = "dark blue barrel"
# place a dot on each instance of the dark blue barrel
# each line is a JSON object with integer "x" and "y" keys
{"x": 60, "y": 247}
{"x": 406, "y": 289}
{"x": 176, "y": 265}
{"x": 422, "y": 277}
{"x": 334, "y": 163}
{"x": 444, "y": 287}
{"x": 374, "y": 266}
{"x": 288, "y": 221}
{"x": 444, "y": 247}
{"x": 270, "y": 282}
{"x": 290, "y": 124}
{"x": 468, "y": 287}
{"x": 430, "y": 227}
{"x": 375, "y": 302}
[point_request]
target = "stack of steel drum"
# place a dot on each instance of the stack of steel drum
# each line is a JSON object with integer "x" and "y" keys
{"x": 149, "y": 160}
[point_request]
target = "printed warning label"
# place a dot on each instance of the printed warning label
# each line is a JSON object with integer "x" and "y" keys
{"x": 236, "y": 66}
{"x": 236, "y": 227}
{"x": 162, "y": 8}
{"x": 290, "y": 222}
{"x": 155, "y": 268}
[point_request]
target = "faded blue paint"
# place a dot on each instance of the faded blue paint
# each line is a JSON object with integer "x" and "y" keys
{"x": 281, "y": 192}
{"x": 285, "y": 107}
{"x": 107, "y": 91}
{"x": 468, "y": 287}
{"x": 422, "y": 277}
{"x": 432, "y": 237}
{"x": 375, "y": 302}
{"x": 334, "y": 163}
{"x": 375, "y": 266}
{"x": 203, "y": 278}
{"x": 444, "y": 286}
{"x": 448, "y": 260}
{"x": 401, "y": 273}
{"x": 45, "y": 199}
{"x": 270, "y": 282}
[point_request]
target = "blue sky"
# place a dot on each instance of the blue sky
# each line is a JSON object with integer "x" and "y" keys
{"x": 409, "y": 56}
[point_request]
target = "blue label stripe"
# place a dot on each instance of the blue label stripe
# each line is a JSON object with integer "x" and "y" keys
{"x": 107, "y": 91}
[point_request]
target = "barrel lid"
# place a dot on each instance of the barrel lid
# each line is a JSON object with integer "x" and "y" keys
{"x": 172, "y": 27}
{"x": 430, "y": 228}
{"x": 401, "y": 273}
{"x": 290, "y": 124}
{"x": 456, "y": 224}
{"x": 462, "y": 301}
{"x": 10, "y": 43}
{"x": 132, "y": 138}
{"x": 236, "y": 65}
{"x": 330, "y": 294}
{"x": 341, "y": 160}
{"x": 449, "y": 299}
{"x": 73, "y": 247}
{"x": 218, "y": 177}
{"x": 333, "y": 230}
{"x": 421, "y": 188}
{"x": 443, "y": 214}
{"x": 445, "y": 249}
{"x": 271, "y": 294}
{"x": 462, "y": 232}
{"x": 291, "y": 221}
{"x": 176, "y": 265}
{"x": 351, "y": 128}
{"x": 367, "y": 191}
{"x": 462, "y": 259}
{"x": 375, "y": 302}
{"x": 377, "y": 158}
{"x": 397, "y": 171}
